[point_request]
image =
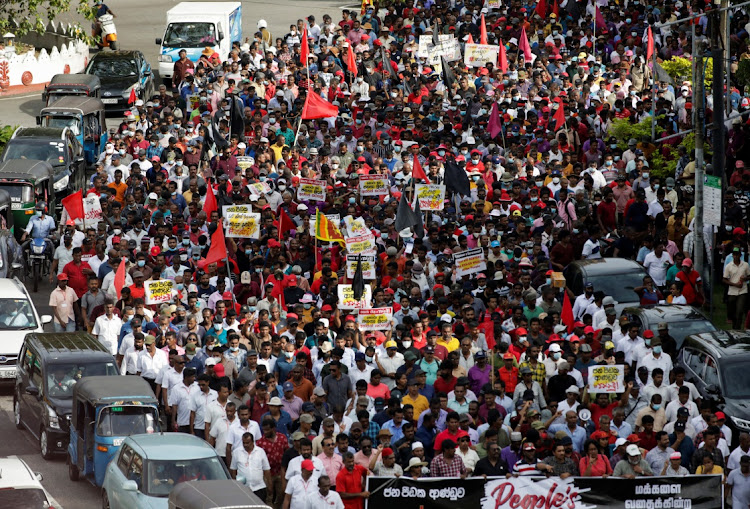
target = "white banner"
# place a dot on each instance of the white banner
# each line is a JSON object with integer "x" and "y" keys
{"x": 477, "y": 55}
{"x": 356, "y": 226}
{"x": 469, "y": 262}
{"x": 240, "y": 225}
{"x": 360, "y": 244}
{"x": 346, "y": 298}
{"x": 368, "y": 266}
{"x": 375, "y": 319}
{"x": 158, "y": 292}
{"x": 430, "y": 196}
{"x": 373, "y": 185}
{"x": 448, "y": 49}
{"x": 311, "y": 189}
{"x": 92, "y": 210}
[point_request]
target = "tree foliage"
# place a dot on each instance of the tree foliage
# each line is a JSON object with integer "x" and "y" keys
{"x": 743, "y": 73}
{"x": 23, "y": 16}
{"x": 681, "y": 69}
{"x": 6, "y": 132}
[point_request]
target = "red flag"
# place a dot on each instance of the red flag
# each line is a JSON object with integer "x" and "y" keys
{"x": 417, "y": 172}
{"x": 541, "y": 8}
{"x": 559, "y": 116}
{"x": 566, "y": 315}
{"x": 600, "y": 23}
{"x": 209, "y": 204}
{"x": 120, "y": 277}
{"x": 351, "y": 63}
{"x": 132, "y": 97}
{"x": 502, "y": 58}
{"x": 470, "y": 39}
{"x": 482, "y": 31}
{"x": 304, "y": 48}
{"x": 556, "y": 9}
{"x": 317, "y": 107}
{"x": 523, "y": 45}
{"x": 218, "y": 250}
{"x": 495, "y": 125}
{"x": 285, "y": 222}
{"x": 74, "y": 205}
{"x": 650, "y": 45}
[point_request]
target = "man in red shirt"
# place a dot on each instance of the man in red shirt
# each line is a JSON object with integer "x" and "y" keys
{"x": 509, "y": 373}
{"x": 350, "y": 483}
{"x": 78, "y": 273}
{"x": 451, "y": 431}
{"x": 274, "y": 445}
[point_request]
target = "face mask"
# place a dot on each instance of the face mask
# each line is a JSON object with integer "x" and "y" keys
{"x": 647, "y": 341}
{"x": 288, "y": 355}
{"x": 360, "y": 148}
{"x": 556, "y": 180}
{"x": 196, "y": 257}
{"x": 352, "y": 201}
{"x": 645, "y": 176}
{"x": 271, "y": 121}
{"x": 534, "y": 199}
{"x": 475, "y": 178}
{"x": 128, "y": 318}
{"x": 608, "y": 163}
{"x": 234, "y": 348}
{"x": 218, "y": 327}
{"x": 185, "y": 242}
{"x": 657, "y": 349}
{"x": 368, "y": 358}
{"x": 117, "y": 231}
{"x": 153, "y": 143}
{"x": 407, "y": 344}
{"x": 38, "y": 213}
{"x": 539, "y": 183}
{"x": 576, "y": 231}
{"x": 464, "y": 151}
{"x": 183, "y": 258}
{"x": 656, "y": 407}
{"x": 190, "y": 149}
{"x": 553, "y": 210}
{"x": 360, "y": 80}
{"x": 141, "y": 263}
{"x": 556, "y": 355}
{"x": 307, "y": 306}
{"x": 263, "y": 178}
{"x": 549, "y": 281}
{"x": 441, "y": 153}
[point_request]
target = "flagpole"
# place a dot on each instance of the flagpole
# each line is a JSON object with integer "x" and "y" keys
{"x": 653, "y": 88}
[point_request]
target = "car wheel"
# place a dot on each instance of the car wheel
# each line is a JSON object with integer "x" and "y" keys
{"x": 17, "y": 414}
{"x": 73, "y": 472}
{"x": 105, "y": 500}
{"x": 44, "y": 445}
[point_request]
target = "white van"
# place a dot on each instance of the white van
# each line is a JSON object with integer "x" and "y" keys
{"x": 193, "y": 26}
{"x": 18, "y": 317}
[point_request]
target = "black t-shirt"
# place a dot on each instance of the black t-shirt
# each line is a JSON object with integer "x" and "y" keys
{"x": 484, "y": 467}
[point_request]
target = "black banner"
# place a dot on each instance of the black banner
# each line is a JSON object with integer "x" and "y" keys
{"x": 689, "y": 492}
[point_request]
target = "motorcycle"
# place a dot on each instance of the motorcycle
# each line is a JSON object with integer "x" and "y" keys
{"x": 108, "y": 31}
{"x": 37, "y": 260}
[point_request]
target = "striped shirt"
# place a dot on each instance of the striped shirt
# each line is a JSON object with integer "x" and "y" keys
{"x": 524, "y": 468}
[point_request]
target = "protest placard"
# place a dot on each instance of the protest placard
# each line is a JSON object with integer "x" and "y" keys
{"x": 469, "y": 262}
{"x": 347, "y": 301}
{"x": 360, "y": 244}
{"x": 193, "y": 102}
{"x": 368, "y": 266}
{"x": 235, "y": 209}
{"x": 477, "y": 55}
{"x": 375, "y": 319}
{"x": 356, "y": 226}
{"x": 92, "y": 210}
{"x": 494, "y": 4}
{"x": 373, "y": 185}
{"x": 311, "y": 189}
{"x": 245, "y": 162}
{"x": 242, "y": 225}
{"x": 430, "y": 196}
{"x": 448, "y": 49}
{"x": 258, "y": 188}
{"x": 606, "y": 378}
{"x": 334, "y": 218}
{"x": 158, "y": 291}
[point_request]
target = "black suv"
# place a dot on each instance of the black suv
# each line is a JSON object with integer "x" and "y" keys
{"x": 120, "y": 73}
{"x": 57, "y": 146}
{"x": 49, "y": 365}
{"x": 716, "y": 362}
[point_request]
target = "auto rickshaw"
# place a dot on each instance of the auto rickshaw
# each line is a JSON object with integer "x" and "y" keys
{"x": 106, "y": 409}
{"x": 62, "y": 85}
{"x": 27, "y": 181}
{"x": 85, "y": 118}
{"x": 11, "y": 258}
{"x": 214, "y": 495}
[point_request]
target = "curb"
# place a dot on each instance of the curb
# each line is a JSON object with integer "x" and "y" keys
{"x": 17, "y": 90}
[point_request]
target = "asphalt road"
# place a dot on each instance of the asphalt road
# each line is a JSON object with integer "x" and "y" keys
{"x": 138, "y": 23}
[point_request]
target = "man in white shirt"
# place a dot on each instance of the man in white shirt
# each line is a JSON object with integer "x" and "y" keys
{"x": 582, "y": 301}
{"x": 219, "y": 428}
{"x": 657, "y": 262}
{"x": 151, "y": 361}
{"x": 682, "y": 401}
{"x": 656, "y": 359}
{"x": 325, "y": 498}
{"x": 199, "y": 402}
{"x": 179, "y": 400}
{"x": 361, "y": 370}
{"x": 656, "y": 386}
{"x": 129, "y": 364}
{"x": 294, "y": 469}
{"x": 238, "y": 428}
{"x": 251, "y": 463}
{"x": 107, "y": 327}
{"x": 302, "y": 487}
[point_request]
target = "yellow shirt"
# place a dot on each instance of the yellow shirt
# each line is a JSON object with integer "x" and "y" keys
{"x": 420, "y": 404}
{"x": 451, "y": 345}
{"x": 277, "y": 151}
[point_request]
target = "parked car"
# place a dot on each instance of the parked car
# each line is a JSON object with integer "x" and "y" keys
{"x": 149, "y": 466}
{"x": 717, "y": 363}
{"x": 18, "y": 317}
{"x": 214, "y": 495}
{"x": 57, "y": 146}
{"x": 683, "y": 320}
{"x": 120, "y": 73}
{"x": 49, "y": 365}
{"x": 616, "y": 277}
{"x": 20, "y": 486}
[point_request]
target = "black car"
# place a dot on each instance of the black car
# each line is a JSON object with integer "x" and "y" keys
{"x": 717, "y": 363}
{"x": 120, "y": 73}
{"x": 48, "y": 367}
{"x": 616, "y": 277}
{"x": 56, "y": 145}
{"x": 683, "y": 320}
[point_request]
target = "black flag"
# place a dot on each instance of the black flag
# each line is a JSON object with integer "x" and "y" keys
{"x": 358, "y": 284}
{"x": 419, "y": 227}
{"x": 387, "y": 67}
{"x": 435, "y": 35}
{"x": 456, "y": 179}
{"x": 448, "y": 77}
{"x": 405, "y": 216}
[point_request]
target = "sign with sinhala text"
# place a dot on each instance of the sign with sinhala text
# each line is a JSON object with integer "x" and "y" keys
{"x": 375, "y": 319}
{"x": 606, "y": 378}
{"x": 158, "y": 292}
{"x": 469, "y": 262}
{"x": 310, "y": 189}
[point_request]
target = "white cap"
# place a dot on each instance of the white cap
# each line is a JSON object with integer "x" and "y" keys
{"x": 573, "y": 389}
{"x": 620, "y": 441}
{"x": 193, "y": 289}
{"x": 211, "y": 361}
{"x": 554, "y": 347}
{"x": 417, "y": 445}
{"x": 301, "y": 206}
{"x": 139, "y": 102}
{"x": 153, "y": 196}
{"x": 446, "y": 318}
{"x": 323, "y": 322}
{"x": 633, "y": 450}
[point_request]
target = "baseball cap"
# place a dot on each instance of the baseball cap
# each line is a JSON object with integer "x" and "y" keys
{"x": 288, "y": 386}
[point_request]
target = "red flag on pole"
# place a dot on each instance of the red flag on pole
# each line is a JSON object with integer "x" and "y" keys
{"x": 482, "y": 31}
{"x": 304, "y": 48}
{"x": 495, "y": 124}
{"x": 600, "y": 23}
{"x": 556, "y": 9}
{"x": 417, "y": 172}
{"x": 559, "y": 116}
{"x": 541, "y": 8}
{"x": 566, "y": 315}
{"x": 502, "y": 58}
{"x": 209, "y": 204}
{"x": 317, "y": 107}
{"x": 351, "y": 62}
{"x": 218, "y": 250}
{"x": 74, "y": 205}
{"x": 285, "y": 223}
{"x": 523, "y": 45}
{"x": 120, "y": 277}
{"x": 132, "y": 97}
{"x": 650, "y": 45}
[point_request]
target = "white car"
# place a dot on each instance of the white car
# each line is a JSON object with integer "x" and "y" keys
{"x": 18, "y": 317}
{"x": 20, "y": 487}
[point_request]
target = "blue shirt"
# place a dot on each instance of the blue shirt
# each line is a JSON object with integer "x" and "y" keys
{"x": 39, "y": 227}
{"x": 578, "y": 435}
{"x": 283, "y": 424}
{"x": 395, "y": 429}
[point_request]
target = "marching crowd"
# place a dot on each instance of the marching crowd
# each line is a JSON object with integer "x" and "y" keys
{"x": 475, "y": 375}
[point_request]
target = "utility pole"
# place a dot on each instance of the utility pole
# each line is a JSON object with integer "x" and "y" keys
{"x": 700, "y": 118}
{"x": 717, "y": 55}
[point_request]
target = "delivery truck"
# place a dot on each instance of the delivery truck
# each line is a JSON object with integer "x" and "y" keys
{"x": 195, "y": 26}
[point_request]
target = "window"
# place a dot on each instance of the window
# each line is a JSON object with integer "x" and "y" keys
{"x": 694, "y": 360}
{"x": 711, "y": 377}
{"x": 123, "y": 462}
{"x": 126, "y": 420}
{"x": 135, "y": 471}
{"x": 16, "y": 314}
{"x": 35, "y": 374}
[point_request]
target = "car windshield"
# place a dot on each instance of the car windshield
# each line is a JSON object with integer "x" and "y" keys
{"x": 63, "y": 121}
{"x": 113, "y": 67}
{"x": 618, "y": 286}
{"x": 62, "y": 377}
{"x": 164, "y": 475}
{"x": 736, "y": 378}
{"x": 32, "y": 498}
{"x": 19, "y": 194}
{"x": 16, "y": 314}
{"x": 126, "y": 420}
{"x": 51, "y": 151}
{"x": 189, "y": 35}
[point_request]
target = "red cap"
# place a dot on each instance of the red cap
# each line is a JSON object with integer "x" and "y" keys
{"x": 327, "y": 307}
{"x": 387, "y": 451}
{"x": 155, "y": 251}
{"x": 219, "y": 369}
{"x": 520, "y": 331}
{"x": 588, "y": 330}
{"x": 308, "y": 465}
{"x": 720, "y": 416}
{"x": 648, "y": 334}
{"x": 273, "y": 243}
{"x": 738, "y": 231}
{"x": 62, "y": 277}
{"x": 633, "y": 438}
{"x": 507, "y": 356}
{"x": 226, "y": 296}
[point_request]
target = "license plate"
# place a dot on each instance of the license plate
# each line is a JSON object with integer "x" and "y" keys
{"x": 8, "y": 373}
{"x": 109, "y": 101}
{"x": 117, "y": 442}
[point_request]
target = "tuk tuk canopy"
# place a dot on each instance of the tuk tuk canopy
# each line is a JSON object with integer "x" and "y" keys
{"x": 26, "y": 169}
{"x": 74, "y": 104}
{"x": 89, "y": 81}
{"x": 219, "y": 494}
{"x": 106, "y": 390}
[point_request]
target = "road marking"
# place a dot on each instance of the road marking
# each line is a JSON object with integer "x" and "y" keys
{"x": 14, "y": 97}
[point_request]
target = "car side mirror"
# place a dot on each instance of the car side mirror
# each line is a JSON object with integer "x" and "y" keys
{"x": 158, "y": 41}
{"x": 46, "y": 319}
{"x": 39, "y": 476}
{"x": 33, "y": 391}
{"x": 712, "y": 389}
{"x": 129, "y": 486}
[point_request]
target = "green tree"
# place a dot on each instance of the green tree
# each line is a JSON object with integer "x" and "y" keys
{"x": 23, "y": 16}
{"x": 681, "y": 69}
{"x": 6, "y": 132}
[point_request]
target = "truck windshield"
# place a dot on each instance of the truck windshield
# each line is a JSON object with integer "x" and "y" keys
{"x": 121, "y": 421}
{"x": 16, "y": 314}
{"x": 61, "y": 121}
{"x": 63, "y": 376}
{"x": 19, "y": 193}
{"x": 189, "y": 35}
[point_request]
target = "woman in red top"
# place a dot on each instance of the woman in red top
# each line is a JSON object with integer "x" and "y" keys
{"x": 594, "y": 464}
